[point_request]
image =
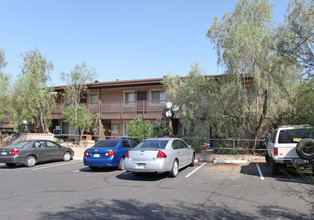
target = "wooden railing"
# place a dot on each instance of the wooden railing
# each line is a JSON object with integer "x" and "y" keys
{"x": 122, "y": 110}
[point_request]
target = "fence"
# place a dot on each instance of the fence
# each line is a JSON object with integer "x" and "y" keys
{"x": 220, "y": 146}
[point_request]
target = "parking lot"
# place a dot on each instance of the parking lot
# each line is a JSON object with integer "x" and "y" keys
{"x": 69, "y": 190}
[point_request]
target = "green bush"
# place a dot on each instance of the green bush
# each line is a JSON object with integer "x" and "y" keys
{"x": 140, "y": 129}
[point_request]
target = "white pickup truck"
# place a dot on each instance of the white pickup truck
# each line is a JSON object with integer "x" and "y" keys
{"x": 290, "y": 144}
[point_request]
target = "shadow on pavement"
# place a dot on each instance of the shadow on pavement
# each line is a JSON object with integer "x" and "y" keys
{"x": 141, "y": 176}
{"x": 286, "y": 174}
{"x": 134, "y": 209}
{"x": 99, "y": 169}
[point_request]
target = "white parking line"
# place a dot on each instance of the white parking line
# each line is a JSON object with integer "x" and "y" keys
{"x": 56, "y": 165}
{"x": 260, "y": 172}
{"x": 194, "y": 170}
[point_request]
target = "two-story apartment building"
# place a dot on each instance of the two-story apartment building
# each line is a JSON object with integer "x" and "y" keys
{"x": 116, "y": 104}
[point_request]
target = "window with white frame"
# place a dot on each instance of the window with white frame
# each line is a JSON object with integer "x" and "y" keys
{"x": 157, "y": 95}
{"x": 128, "y": 97}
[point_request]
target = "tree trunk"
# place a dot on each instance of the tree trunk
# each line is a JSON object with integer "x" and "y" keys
{"x": 263, "y": 115}
{"x": 42, "y": 123}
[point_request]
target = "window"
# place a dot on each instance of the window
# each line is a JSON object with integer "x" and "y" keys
{"x": 132, "y": 143}
{"x": 154, "y": 144}
{"x": 157, "y": 95}
{"x": 128, "y": 97}
{"x": 125, "y": 144}
{"x": 294, "y": 135}
{"x": 51, "y": 144}
{"x": 93, "y": 98}
{"x": 39, "y": 144}
{"x": 125, "y": 128}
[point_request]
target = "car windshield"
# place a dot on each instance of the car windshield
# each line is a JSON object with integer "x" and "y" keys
{"x": 106, "y": 144}
{"x": 155, "y": 144}
{"x": 295, "y": 135}
{"x": 19, "y": 144}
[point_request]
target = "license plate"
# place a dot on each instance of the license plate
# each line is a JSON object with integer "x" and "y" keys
{"x": 4, "y": 153}
{"x": 140, "y": 165}
{"x": 96, "y": 155}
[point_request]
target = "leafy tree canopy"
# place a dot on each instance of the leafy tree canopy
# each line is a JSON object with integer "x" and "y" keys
{"x": 32, "y": 100}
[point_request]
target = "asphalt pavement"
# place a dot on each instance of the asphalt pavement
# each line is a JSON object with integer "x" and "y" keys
{"x": 69, "y": 190}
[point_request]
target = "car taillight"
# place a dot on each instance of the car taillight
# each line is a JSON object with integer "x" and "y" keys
{"x": 86, "y": 154}
{"x": 111, "y": 153}
{"x": 276, "y": 151}
{"x": 127, "y": 154}
{"x": 12, "y": 152}
{"x": 161, "y": 154}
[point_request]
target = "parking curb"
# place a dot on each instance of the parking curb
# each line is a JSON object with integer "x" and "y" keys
{"x": 231, "y": 161}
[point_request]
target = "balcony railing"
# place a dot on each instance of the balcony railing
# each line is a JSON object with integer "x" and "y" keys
{"x": 121, "y": 110}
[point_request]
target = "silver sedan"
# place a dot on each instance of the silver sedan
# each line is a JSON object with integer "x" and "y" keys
{"x": 159, "y": 155}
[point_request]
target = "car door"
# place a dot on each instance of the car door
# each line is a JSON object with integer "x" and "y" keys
{"x": 186, "y": 152}
{"x": 56, "y": 152}
{"x": 41, "y": 151}
{"x": 178, "y": 152}
{"x": 125, "y": 147}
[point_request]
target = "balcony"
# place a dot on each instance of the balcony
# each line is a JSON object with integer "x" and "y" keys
{"x": 122, "y": 110}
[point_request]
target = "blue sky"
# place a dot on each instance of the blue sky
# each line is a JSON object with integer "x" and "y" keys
{"x": 121, "y": 39}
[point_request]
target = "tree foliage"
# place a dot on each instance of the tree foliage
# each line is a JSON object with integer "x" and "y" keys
{"x": 257, "y": 81}
{"x": 301, "y": 110}
{"x": 140, "y": 129}
{"x": 295, "y": 36}
{"x": 76, "y": 84}
{"x": 83, "y": 114}
{"x": 4, "y": 92}
{"x": 32, "y": 100}
{"x": 245, "y": 40}
{"x": 4, "y": 87}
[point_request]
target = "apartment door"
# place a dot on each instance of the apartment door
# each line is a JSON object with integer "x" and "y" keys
{"x": 141, "y": 98}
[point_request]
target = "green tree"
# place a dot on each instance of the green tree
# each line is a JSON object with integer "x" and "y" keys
{"x": 295, "y": 36}
{"x": 76, "y": 84}
{"x": 83, "y": 114}
{"x": 302, "y": 105}
{"x": 4, "y": 91}
{"x": 196, "y": 95}
{"x": 140, "y": 129}
{"x": 246, "y": 41}
{"x": 32, "y": 100}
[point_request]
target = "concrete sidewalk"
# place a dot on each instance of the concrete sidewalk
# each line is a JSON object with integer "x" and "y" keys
{"x": 205, "y": 156}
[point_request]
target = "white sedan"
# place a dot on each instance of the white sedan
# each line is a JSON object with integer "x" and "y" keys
{"x": 159, "y": 155}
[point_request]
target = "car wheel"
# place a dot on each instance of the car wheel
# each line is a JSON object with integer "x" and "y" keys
{"x": 121, "y": 164}
{"x": 305, "y": 149}
{"x": 92, "y": 167}
{"x": 274, "y": 168}
{"x": 175, "y": 169}
{"x": 10, "y": 164}
{"x": 193, "y": 161}
{"x": 66, "y": 156}
{"x": 30, "y": 161}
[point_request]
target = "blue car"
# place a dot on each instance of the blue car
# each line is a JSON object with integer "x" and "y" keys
{"x": 108, "y": 153}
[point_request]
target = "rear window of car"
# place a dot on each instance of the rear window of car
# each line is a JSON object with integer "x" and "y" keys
{"x": 106, "y": 144}
{"x": 20, "y": 144}
{"x": 154, "y": 144}
{"x": 294, "y": 135}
